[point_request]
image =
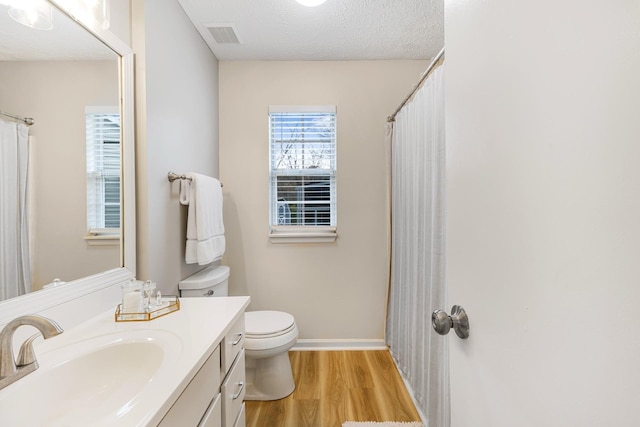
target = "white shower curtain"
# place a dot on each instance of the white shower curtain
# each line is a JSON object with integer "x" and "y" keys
{"x": 15, "y": 273}
{"x": 418, "y": 248}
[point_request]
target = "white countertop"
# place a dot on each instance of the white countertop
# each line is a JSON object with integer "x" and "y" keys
{"x": 192, "y": 334}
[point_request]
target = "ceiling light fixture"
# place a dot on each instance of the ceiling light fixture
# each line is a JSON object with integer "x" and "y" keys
{"x": 311, "y": 3}
{"x": 95, "y": 13}
{"x": 32, "y": 13}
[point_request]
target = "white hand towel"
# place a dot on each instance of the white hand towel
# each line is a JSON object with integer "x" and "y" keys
{"x": 185, "y": 191}
{"x": 205, "y": 228}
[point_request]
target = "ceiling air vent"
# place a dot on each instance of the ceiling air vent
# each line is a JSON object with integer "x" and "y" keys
{"x": 223, "y": 33}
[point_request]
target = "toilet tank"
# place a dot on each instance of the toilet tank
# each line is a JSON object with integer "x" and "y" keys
{"x": 213, "y": 281}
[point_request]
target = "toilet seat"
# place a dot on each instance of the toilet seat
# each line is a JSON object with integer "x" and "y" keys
{"x": 264, "y": 324}
{"x": 269, "y": 330}
{"x": 272, "y": 335}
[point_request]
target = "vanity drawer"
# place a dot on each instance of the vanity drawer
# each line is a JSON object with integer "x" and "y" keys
{"x": 241, "y": 421}
{"x": 233, "y": 391}
{"x": 195, "y": 399}
{"x": 213, "y": 417}
{"x": 232, "y": 343}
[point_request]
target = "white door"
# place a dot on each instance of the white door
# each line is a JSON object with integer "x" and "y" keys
{"x": 543, "y": 211}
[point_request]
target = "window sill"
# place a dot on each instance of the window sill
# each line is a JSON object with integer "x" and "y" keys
{"x": 289, "y": 235}
{"x": 102, "y": 239}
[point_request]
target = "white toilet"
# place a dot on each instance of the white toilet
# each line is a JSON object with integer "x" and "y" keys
{"x": 268, "y": 337}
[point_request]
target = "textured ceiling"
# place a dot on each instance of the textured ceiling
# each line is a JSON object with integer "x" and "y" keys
{"x": 267, "y": 30}
{"x": 335, "y": 30}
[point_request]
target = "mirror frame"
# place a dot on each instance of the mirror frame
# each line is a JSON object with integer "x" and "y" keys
{"x": 100, "y": 282}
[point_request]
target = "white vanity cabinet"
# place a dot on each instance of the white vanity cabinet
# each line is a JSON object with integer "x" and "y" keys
{"x": 213, "y": 416}
{"x": 232, "y": 390}
{"x": 185, "y": 369}
{"x": 199, "y": 396}
{"x": 214, "y": 397}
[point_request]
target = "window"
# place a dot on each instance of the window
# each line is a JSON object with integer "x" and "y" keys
{"x": 302, "y": 143}
{"x": 103, "y": 171}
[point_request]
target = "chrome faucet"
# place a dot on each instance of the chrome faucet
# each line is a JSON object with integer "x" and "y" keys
{"x": 11, "y": 369}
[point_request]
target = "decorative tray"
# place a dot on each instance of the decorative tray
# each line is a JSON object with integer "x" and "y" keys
{"x": 168, "y": 304}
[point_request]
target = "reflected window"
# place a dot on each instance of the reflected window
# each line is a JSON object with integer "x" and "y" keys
{"x": 103, "y": 170}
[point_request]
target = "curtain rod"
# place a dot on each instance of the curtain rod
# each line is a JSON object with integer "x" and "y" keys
{"x": 423, "y": 77}
{"x": 27, "y": 120}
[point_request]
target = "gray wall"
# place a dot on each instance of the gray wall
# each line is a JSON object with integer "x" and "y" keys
{"x": 176, "y": 130}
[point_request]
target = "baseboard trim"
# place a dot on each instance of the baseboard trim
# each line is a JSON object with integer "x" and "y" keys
{"x": 339, "y": 344}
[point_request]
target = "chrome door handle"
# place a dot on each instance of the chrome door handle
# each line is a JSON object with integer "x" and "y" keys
{"x": 458, "y": 320}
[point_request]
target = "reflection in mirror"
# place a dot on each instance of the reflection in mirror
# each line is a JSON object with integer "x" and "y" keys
{"x": 68, "y": 82}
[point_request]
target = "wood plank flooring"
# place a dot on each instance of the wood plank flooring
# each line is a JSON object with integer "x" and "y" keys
{"x": 337, "y": 386}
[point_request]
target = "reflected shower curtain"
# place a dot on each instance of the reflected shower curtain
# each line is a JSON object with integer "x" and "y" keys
{"x": 15, "y": 274}
{"x": 418, "y": 247}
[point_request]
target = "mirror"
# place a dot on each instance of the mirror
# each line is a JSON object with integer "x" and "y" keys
{"x": 57, "y": 77}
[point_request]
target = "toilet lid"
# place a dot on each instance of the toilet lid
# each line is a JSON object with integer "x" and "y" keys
{"x": 259, "y": 323}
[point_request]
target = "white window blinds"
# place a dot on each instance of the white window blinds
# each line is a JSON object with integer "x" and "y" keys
{"x": 103, "y": 170}
{"x": 303, "y": 166}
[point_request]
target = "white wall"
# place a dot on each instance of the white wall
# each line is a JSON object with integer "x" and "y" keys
{"x": 120, "y": 24}
{"x": 176, "y": 130}
{"x": 55, "y": 94}
{"x": 335, "y": 291}
{"x": 543, "y": 190}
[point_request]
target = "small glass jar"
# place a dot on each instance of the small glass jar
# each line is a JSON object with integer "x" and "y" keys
{"x": 149, "y": 292}
{"x": 132, "y": 297}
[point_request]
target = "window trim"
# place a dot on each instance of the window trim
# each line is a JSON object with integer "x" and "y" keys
{"x": 301, "y": 233}
{"x": 102, "y": 239}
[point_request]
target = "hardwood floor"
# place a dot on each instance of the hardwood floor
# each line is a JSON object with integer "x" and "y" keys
{"x": 337, "y": 386}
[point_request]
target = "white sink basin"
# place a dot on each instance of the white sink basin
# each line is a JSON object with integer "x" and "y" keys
{"x": 98, "y": 381}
